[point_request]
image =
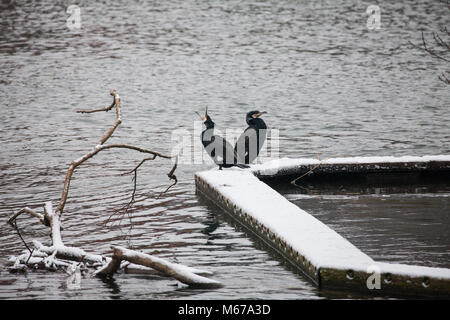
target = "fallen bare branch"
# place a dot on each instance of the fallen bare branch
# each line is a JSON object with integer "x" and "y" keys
{"x": 57, "y": 255}
{"x": 293, "y": 182}
{"x": 69, "y": 253}
{"x": 444, "y": 78}
{"x": 136, "y": 268}
{"x": 101, "y": 109}
{"x": 75, "y": 163}
{"x": 181, "y": 273}
{"x": 306, "y": 173}
{"x": 20, "y": 236}
{"x": 100, "y": 147}
{"x": 430, "y": 51}
{"x": 444, "y": 29}
{"x": 442, "y": 54}
{"x": 171, "y": 176}
{"x": 440, "y": 42}
{"x": 48, "y": 262}
{"x": 32, "y": 213}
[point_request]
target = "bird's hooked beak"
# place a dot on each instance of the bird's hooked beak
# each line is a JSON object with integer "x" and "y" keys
{"x": 203, "y": 118}
{"x": 206, "y": 115}
{"x": 257, "y": 115}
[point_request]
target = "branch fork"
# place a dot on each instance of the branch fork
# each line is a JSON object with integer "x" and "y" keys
{"x": 60, "y": 256}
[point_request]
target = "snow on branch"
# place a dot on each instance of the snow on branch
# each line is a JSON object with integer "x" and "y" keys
{"x": 180, "y": 272}
{"x": 59, "y": 255}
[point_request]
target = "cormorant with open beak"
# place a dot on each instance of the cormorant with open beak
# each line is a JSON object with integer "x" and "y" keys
{"x": 220, "y": 150}
{"x": 252, "y": 139}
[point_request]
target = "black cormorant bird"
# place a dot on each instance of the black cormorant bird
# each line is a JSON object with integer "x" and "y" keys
{"x": 219, "y": 149}
{"x": 252, "y": 139}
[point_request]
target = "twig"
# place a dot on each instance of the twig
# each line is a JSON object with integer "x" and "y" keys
{"x": 314, "y": 168}
{"x": 293, "y": 182}
{"x": 31, "y": 253}
{"x": 429, "y": 50}
{"x": 20, "y": 236}
{"x": 445, "y": 28}
{"x": 126, "y": 208}
{"x": 444, "y": 78}
{"x": 135, "y": 175}
{"x": 171, "y": 176}
{"x": 99, "y": 110}
{"x": 440, "y": 42}
{"x": 33, "y": 213}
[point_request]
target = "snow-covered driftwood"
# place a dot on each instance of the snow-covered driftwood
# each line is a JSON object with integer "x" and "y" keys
{"x": 36, "y": 260}
{"x": 54, "y": 257}
{"x": 59, "y": 255}
{"x": 70, "y": 253}
{"x": 184, "y": 274}
{"x": 32, "y": 212}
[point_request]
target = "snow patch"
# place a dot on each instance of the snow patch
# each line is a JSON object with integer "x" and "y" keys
{"x": 274, "y": 166}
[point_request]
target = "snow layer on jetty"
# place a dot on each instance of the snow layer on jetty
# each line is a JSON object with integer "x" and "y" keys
{"x": 317, "y": 242}
{"x": 278, "y": 165}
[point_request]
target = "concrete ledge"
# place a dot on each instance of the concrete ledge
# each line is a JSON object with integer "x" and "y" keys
{"x": 320, "y": 253}
{"x": 356, "y": 167}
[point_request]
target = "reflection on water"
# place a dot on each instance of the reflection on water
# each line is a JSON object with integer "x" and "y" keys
{"x": 399, "y": 227}
{"x": 331, "y": 87}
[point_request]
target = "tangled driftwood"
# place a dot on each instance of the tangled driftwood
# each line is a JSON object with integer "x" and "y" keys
{"x": 72, "y": 259}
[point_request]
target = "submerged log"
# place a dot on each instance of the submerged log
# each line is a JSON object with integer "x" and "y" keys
{"x": 180, "y": 272}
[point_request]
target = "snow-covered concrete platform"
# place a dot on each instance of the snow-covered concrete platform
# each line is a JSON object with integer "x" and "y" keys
{"x": 327, "y": 258}
{"x": 355, "y": 166}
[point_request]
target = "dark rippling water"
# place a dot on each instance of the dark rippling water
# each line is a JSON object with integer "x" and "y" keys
{"x": 389, "y": 224}
{"x": 331, "y": 86}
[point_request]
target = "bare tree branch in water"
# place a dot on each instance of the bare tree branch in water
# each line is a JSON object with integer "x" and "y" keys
{"x": 440, "y": 50}
{"x": 128, "y": 206}
{"x": 444, "y": 78}
{"x": 101, "y": 146}
{"x": 182, "y": 273}
{"x": 59, "y": 255}
{"x": 46, "y": 219}
{"x": 171, "y": 176}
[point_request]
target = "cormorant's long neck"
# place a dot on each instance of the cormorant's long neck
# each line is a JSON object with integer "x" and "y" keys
{"x": 208, "y": 134}
{"x": 258, "y": 124}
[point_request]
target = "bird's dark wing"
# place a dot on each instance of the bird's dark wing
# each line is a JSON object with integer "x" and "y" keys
{"x": 221, "y": 151}
{"x": 262, "y": 134}
{"x": 246, "y": 146}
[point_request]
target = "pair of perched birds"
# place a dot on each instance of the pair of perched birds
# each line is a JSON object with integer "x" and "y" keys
{"x": 246, "y": 148}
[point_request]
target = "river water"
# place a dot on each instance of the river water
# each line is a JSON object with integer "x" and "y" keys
{"x": 331, "y": 86}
